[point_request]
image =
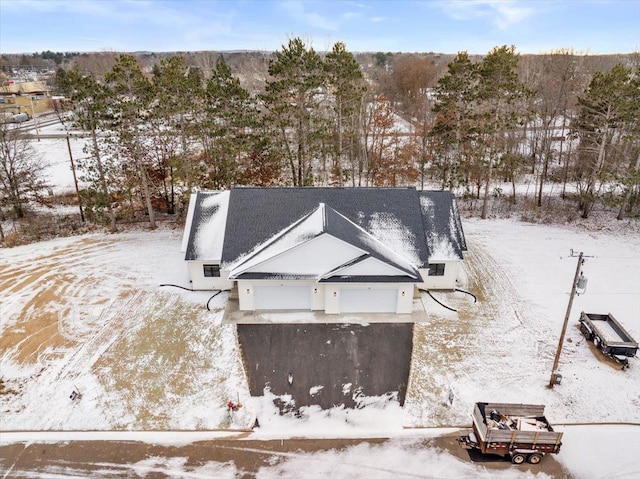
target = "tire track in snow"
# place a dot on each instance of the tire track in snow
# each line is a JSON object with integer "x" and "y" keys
{"x": 93, "y": 347}
{"x": 501, "y": 328}
{"x": 510, "y": 330}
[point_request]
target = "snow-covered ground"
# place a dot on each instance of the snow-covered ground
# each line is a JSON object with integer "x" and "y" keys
{"x": 89, "y": 313}
{"x": 101, "y": 297}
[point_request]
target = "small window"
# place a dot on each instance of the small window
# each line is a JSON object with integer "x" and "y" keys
{"x": 436, "y": 269}
{"x": 211, "y": 270}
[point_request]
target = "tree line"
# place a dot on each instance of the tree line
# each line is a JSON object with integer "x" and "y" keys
{"x": 324, "y": 119}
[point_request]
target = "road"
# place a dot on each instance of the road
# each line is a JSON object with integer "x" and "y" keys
{"x": 245, "y": 458}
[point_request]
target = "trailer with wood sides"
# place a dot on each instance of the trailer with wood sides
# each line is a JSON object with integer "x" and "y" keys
{"x": 519, "y": 431}
{"x": 608, "y": 336}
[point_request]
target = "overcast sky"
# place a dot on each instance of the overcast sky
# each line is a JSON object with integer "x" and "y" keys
{"x": 445, "y": 26}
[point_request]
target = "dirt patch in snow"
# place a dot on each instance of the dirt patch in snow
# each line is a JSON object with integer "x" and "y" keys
{"x": 56, "y": 292}
{"x": 87, "y": 314}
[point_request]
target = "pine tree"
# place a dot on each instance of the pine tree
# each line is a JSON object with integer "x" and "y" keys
{"x": 604, "y": 111}
{"x": 630, "y": 178}
{"x": 453, "y": 129}
{"x": 132, "y": 94}
{"x": 499, "y": 107}
{"x": 90, "y": 102}
{"x": 230, "y": 120}
{"x": 347, "y": 85}
{"x": 179, "y": 97}
{"x": 293, "y": 101}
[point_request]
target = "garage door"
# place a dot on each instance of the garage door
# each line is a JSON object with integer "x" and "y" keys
{"x": 368, "y": 300}
{"x": 282, "y": 297}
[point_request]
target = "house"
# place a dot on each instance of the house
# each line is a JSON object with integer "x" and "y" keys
{"x": 30, "y": 97}
{"x": 333, "y": 250}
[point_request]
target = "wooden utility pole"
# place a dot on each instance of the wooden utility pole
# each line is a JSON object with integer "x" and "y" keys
{"x": 75, "y": 178}
{"x": 552, "y": 380}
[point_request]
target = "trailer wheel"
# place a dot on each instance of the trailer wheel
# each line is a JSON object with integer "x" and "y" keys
{"x": 596, "y": 342}
{"x": 518, "y": 458}
{"x": 535, "y": 458}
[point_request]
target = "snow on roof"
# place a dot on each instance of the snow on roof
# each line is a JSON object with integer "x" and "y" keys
{"x": 256, "y": 215}
{"x": 443, "y": 230}
{"x": 440, "y": 249}
{"x": 370, "y": 243}
{"x": 209, "y": 223}
{"x": 390, "y": 231}
{"x": 325, "y": 219}
{"x": 299, "y": 232}
{"x": 187, "y": 228}
{"x": 381, "y": 221}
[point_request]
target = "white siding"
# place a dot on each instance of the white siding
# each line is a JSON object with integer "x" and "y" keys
{"x": 199, "y": 282}
{"x": 314, "y": 257}
{"x": 370, "y": 267}
{"x": 448, "y": 281}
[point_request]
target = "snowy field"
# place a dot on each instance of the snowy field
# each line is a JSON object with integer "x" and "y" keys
{"x": 88, "y": 314}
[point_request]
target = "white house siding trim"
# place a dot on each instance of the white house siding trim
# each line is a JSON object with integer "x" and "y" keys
{"x": 368, "y": 267}
{"x": 452, "y": 269}
{"x": 314, "y": 257}
{"x": 200, "y": 282}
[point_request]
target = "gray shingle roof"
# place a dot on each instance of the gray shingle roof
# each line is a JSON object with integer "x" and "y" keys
{"x": 420, "y": 226}
{"x": 442, "y": 225}
{"x": 392, "y": 215}
{"x": 207, "y": 226}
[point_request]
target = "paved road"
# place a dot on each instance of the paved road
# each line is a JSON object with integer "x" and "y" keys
{"x": 329, "y": 364}
{"x": 130, "y": 459}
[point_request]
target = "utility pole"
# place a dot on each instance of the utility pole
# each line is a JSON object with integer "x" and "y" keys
{"x": 552, "y": 380}
{"x": 35, "y": 120}
{"x": 73, "y": 166}
{"x": 75, "y": 178}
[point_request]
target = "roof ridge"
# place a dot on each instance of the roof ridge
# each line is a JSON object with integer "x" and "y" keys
{"x": 237, "y": 268}
{"x": 391, "y": 257}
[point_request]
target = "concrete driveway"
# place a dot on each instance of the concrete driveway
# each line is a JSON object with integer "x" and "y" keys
{"x": 327, "y": 364}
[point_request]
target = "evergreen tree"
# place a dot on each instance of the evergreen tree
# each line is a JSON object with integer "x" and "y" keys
{"x": 347, "y": 85}
{"x": 293, "y": 100}
{"x": 230, "y": 119}
{"x": 453, "y": 128}
{"x": 131, "y": 96}
{"x": 604, "y": 110}
{"x": 499, "y": 109}
{"x": 90, "y": 102}
{"x": 178, "y": 99}
{"x": 630, "y": 179}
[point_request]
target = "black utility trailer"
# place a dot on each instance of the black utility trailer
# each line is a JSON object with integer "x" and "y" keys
{"x": 608, "y": 336}
{"x": 519, "y": 431}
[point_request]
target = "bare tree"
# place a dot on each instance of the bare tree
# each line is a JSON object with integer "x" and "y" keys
{"x": 21, "y": 172}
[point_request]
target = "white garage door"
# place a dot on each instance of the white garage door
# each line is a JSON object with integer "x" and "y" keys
{"x": 368, "y": 300}
{"x": 282, "y": 297}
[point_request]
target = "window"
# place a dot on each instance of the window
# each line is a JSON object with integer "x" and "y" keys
{"x": 211, "y": 270}
{"x": 436, "y": 269}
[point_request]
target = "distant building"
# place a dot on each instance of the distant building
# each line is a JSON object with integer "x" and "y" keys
{"x": 30, "y": 97}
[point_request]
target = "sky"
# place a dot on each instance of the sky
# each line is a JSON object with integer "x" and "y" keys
{"x": 443, "y": 26}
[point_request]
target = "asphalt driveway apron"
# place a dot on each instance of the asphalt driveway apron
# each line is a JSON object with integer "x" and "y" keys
{"x": 327, "y": 364}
